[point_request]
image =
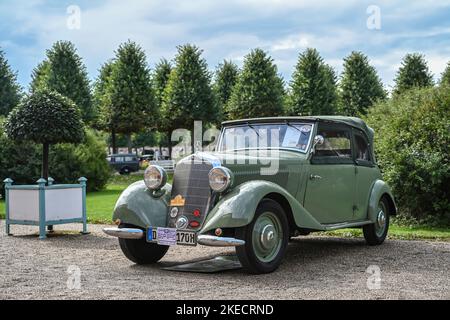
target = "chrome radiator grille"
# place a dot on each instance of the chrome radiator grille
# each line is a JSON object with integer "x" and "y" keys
{"x": 190, "y": 181}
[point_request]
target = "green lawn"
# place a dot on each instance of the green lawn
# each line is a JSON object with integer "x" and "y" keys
{"x": 100, "y": 205}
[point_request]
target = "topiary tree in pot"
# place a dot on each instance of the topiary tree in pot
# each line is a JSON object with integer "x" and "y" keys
{"x": 45, "y": 117}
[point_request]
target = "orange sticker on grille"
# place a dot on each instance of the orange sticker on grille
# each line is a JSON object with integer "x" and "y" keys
{"x": 178, "y": 201}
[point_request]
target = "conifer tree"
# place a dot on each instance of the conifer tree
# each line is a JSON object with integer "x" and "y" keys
{"x": 414, "y": 72}
{"x": 63, "y": 71}
{"x": 313, "y": 86}
{"x": 259, "y": 89}
{"x": 10, "y": 91}
{"x": 360, "y": 85}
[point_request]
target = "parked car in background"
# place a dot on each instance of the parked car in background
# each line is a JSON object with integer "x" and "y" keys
{"x": 124, "y": 163}
{"x": 270, "y": 179}
{"x": 146, "y": 157}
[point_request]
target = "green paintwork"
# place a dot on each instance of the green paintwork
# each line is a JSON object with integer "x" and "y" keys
{"x": 330, "y": 198}
{"x": 140, "y": 207}
{"x": 379, "y": 189}
{"x": 237, "y": 208}
{"x": 345, "y": 194}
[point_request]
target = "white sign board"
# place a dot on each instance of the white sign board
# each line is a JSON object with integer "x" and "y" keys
{"x": 60, "y": 204}
{"x": 24, "y": 205}
{"x": 63, "y": 204}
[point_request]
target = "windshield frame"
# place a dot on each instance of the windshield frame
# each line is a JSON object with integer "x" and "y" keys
{"x": 255, "y": 124}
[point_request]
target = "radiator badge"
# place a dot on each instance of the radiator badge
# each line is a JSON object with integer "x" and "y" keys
{"x": 178, "y": 201}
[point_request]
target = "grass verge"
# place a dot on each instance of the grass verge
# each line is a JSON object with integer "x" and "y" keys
{"x": 419, "y": 232}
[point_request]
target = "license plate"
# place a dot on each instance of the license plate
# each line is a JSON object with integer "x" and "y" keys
{"x": 171, "y": 236}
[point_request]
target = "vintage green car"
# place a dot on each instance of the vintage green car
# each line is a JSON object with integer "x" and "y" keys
{"x": 269, "y": 179}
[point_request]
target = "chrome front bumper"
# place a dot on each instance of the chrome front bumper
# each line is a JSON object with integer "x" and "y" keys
{"x": 203, "y": 239}
{"x": 124, "y": 233}
{"x": 213, "y": 241}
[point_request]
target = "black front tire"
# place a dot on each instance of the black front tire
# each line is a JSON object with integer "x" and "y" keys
{"x": 140, "y": 251}
{"x": 125, "y": 171}
{"x": 372, "y": 233}
{"x": 247, "y": 254}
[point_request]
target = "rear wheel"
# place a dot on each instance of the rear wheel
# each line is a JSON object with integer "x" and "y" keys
{"x": 376, "y": 233}
{"x": 140, "y": 251}
{"x": 266, "y": 239}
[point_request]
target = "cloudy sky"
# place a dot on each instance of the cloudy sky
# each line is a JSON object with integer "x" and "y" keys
{"x": 228, "y": 29}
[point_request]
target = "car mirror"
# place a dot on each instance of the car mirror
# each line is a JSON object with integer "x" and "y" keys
{"x": 318, "y": 140}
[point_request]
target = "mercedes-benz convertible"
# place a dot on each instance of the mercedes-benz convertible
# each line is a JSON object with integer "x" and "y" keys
{"x": 269, "y": 179}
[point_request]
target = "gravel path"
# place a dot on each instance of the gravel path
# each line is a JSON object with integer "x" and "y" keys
{"x": 315, "y": 268}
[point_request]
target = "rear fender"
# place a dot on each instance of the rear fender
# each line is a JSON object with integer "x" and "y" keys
{"x": 380, "y": 189}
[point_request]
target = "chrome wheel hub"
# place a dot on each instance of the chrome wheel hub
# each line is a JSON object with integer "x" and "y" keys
{"x": 268, "y": 236}
{"x": 381, "y": 222}
{"x": 381, "y": 219}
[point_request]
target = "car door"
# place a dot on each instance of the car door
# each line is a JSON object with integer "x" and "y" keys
{"x": 329, "y": 195}
{"x": 366, "y": 173}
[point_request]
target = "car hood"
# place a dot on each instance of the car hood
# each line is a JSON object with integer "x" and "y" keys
{"x": 278, "y": 166}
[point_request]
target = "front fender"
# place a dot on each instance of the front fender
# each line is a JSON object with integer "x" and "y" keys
{"x": 380, "y": 189}
{"x": 237, "y": 208}
{"x": 138, "y": 206}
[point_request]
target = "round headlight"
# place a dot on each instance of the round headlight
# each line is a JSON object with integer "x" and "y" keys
{"x": 155, "y": 177}
{"x": 220, "y": 179}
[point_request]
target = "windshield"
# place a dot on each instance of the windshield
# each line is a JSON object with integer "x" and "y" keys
{"x": 277, "y": 135}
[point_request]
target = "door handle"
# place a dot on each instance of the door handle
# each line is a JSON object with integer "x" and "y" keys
{"x": 314, "y": 176}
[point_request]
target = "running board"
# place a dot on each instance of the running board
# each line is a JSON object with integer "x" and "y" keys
{"x": 343, "y": 225}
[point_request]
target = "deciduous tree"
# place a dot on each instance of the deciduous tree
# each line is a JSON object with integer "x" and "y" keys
{"x": 45, "y": 117}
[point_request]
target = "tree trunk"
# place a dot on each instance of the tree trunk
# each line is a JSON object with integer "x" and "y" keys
{"x": 169, "y": 142}
{"x": 45, "y": 151}
{"x": 129, "y": 145}
{"x": 113, "y": 140}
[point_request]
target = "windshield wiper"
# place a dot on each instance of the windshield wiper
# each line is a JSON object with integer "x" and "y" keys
{"x": 292, "y": 126}
{"x": 253, "y": 128}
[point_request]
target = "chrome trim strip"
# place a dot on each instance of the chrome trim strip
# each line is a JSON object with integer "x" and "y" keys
{"x": 329, "y": 227}
{"x": 213, "y": 241}
{"x": 124, "y": 233}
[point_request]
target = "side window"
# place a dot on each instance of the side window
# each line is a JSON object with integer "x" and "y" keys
{"x": 362, "y": 152}
{"x": 337, "y": 146}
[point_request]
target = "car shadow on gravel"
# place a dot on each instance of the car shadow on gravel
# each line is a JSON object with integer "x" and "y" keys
{"x": 301, "y": 253}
